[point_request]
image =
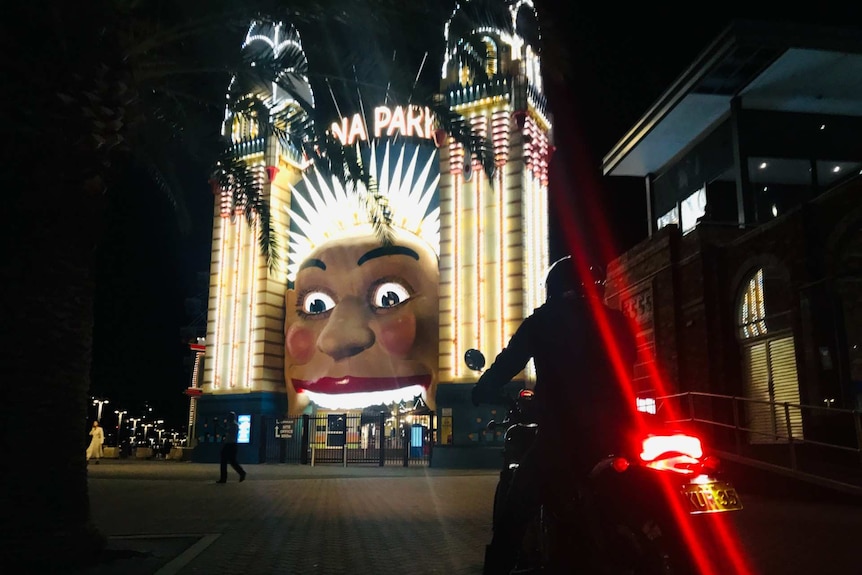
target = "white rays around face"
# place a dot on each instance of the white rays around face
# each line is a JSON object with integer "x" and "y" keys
{"x": 328, "y": 210}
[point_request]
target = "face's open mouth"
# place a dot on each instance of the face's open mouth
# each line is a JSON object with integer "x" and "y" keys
{"x": 356, "y": 392}
{"x": 350, "y": 384}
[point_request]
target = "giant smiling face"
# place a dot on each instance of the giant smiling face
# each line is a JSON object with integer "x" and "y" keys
{"x": 361, "y": 325}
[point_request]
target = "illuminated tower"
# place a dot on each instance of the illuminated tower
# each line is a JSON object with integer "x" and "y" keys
{"x": 494, "y": 233}
{"x": 245, "y": 342}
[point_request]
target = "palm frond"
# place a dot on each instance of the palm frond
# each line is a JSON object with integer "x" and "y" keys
{"x": 244, "y": 183}
{"x": 477, "y": 148}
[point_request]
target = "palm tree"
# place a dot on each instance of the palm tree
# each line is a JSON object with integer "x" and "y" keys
{"x": 102, "y": 92}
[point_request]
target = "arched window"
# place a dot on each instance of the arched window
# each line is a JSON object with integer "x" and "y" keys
{"x": 486, "y": 50}
{"x": 752, "y": 309}
{"x": 491, "y": 58}
{"x": 769, "y": 356}
{"x": 243, "y": 129}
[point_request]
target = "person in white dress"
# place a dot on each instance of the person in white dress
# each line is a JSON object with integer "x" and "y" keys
{"x": 94, "y": 450}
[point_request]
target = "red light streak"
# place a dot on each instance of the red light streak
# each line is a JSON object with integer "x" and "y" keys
{"x": 561, "y": 196}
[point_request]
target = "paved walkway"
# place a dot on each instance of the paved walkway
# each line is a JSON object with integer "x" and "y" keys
{"x": 167, "y": 518}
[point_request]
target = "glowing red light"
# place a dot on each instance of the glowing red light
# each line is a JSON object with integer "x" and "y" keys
{"x": 657, "y": 445}
{"x": 711, "y": 463}
{"x": 620, "y": 464}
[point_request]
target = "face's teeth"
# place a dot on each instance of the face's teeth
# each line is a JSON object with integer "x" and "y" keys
{"x": 364, "y": 399}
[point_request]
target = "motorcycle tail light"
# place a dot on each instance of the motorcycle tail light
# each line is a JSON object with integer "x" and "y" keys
{"x": 677, "y": 463}
{"x": 710, "y": 463}
{"x": 620, "y": 464}
{"x": 676, "y": 452}
{"x": 656, "y": 446}
{"x": 525, "y": 393}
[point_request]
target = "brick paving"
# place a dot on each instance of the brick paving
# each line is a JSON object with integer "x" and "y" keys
{"x": 169, "y": 517}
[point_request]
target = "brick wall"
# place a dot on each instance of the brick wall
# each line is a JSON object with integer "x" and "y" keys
{"x": 682, "y": 293}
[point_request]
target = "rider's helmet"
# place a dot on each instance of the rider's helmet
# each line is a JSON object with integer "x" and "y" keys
{"x": 563, "y": 279}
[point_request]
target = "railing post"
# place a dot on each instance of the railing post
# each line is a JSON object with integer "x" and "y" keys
{"x": 304, "y": 440}
{"x": 790, "y": 442}
{"x": 344, "y": 441}
{"x": 737, "y": 432}
{"x": 857, "y": 421}
{"x": 405, "y": 444}
{"x": 432, "y": 436}
{"x": 381, "y": 438}
{"x": 690, "y": 407}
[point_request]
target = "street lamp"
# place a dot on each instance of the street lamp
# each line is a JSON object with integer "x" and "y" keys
{"x": 120, "y": 419}
{"x": 120, "y": 414}
{"x": 134, "y": 421}
{"x": 146, "y": 427}
{"x": 100, "y": 403}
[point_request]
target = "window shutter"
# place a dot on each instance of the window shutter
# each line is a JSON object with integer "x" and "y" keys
{"x": 771, "y": 381}
{"x": 785, "y": 386}
{"x": 759, "y": 411}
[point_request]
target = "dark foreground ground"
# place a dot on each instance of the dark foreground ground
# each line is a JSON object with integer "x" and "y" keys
{"x": 166, "y": 517}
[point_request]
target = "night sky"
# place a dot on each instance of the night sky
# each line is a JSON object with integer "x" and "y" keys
{"x": 611, "y": 70}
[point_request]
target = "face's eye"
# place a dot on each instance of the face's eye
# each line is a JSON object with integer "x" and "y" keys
{"x": 389, "y": 294}
{"x": 316, "y": 302}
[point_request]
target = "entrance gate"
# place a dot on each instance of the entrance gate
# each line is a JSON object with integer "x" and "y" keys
{"x": 351, "y": 439}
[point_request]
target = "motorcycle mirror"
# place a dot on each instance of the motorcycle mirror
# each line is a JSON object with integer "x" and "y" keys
{"x": 474, "y": 359}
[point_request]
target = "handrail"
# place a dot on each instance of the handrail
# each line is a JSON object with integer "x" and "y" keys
{"x": 818, "y": 439}
{"x": 752, "y": 400}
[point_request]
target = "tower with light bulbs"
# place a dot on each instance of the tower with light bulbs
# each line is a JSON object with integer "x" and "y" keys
{"x": 494, "y": 232}
{"x": 244, "y": 342}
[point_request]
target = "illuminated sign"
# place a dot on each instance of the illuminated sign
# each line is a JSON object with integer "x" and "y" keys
{"x": 410, "y": 121}
{"x": 244, "y": 435}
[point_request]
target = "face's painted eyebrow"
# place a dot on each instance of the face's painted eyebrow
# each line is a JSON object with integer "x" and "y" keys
{"x": 387, "y": 251}
{"x": 312, "y": 263}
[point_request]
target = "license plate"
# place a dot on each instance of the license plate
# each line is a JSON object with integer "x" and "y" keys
{"x": 711, "y": 497}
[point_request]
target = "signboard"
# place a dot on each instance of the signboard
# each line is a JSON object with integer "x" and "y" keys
{"x": 244, "y": 435}
{"x": 411, "y": 121}
{"x": 284, "y": 428}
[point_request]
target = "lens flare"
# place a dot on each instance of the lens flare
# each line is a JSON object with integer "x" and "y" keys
{"x": 579, "y": 163}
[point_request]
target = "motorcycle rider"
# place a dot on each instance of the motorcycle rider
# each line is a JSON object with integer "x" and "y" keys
{"x": 582, "y": 406}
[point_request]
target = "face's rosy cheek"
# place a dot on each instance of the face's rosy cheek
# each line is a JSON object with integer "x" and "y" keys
{"x": 397, "y": 333}
{"x": 300, "y": 343}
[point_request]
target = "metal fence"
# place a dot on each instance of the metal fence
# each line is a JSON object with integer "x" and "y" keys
{"x": 826, "y": 448}
{"x": 351, "y": 439}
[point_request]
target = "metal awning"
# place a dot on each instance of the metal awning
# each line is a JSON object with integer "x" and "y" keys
{"x": 777, "y": 67}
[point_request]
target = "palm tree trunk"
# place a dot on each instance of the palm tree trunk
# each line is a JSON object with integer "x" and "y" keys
{"x": 47, "y": 297}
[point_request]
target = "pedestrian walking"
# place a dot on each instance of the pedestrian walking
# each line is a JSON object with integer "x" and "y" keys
{"x": 229, "y": 449}
{"x": 97, "y": 435}
{"x": 166, "y": 448}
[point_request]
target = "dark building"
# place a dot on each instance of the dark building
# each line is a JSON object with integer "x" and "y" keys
{"x": 749, "y": 285}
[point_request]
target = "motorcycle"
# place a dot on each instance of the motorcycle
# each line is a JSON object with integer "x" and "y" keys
{"x": 519, "y": 430}
{"x": 647, "y": 509}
